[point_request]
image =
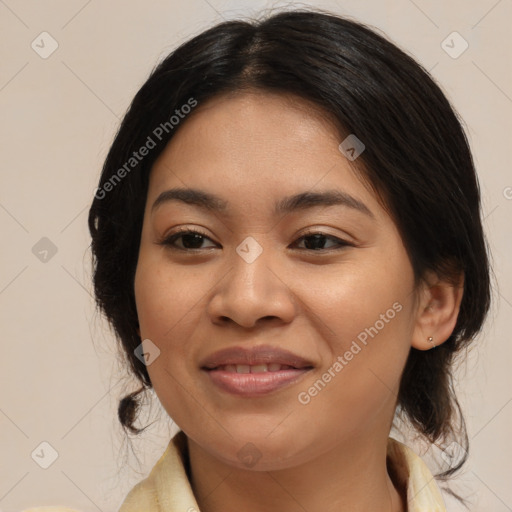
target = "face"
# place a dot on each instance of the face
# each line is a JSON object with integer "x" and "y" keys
{"x": 325, "y": 278}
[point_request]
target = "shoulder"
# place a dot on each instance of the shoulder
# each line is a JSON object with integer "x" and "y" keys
{"x": 167, "y": 487}
{"x": 54, "y": 508}
{"x": 143, "y": 496}
{"x": 409, "y": 472}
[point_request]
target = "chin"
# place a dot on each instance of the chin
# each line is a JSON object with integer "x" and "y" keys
{"x": 260, "y": 452}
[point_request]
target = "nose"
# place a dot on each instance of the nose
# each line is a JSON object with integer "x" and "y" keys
{"x": 253, "y": 292}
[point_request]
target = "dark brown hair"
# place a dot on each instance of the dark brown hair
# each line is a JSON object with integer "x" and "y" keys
{"x": 417, "y": 159}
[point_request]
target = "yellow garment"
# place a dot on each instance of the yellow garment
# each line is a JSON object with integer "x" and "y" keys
{"x": 49, "y": 509}
{"x": 167, "y": 488}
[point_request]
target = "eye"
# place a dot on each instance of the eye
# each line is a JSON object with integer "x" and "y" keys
{"x": 191, "y": 240}
{"x": 315, "y": 241}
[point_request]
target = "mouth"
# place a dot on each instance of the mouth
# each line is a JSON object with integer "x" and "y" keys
{"x": 262, "y": 357}
{"x": 257, "y": 368}
{"x": 254, "y": 372}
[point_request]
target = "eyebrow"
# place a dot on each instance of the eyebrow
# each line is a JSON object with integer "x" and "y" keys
{"x": 300, "y": 201}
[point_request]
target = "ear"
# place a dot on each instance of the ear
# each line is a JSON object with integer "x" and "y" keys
{"x": 437, "y": 311}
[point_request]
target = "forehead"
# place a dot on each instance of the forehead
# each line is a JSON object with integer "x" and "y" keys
{"x": 256, "y": 146}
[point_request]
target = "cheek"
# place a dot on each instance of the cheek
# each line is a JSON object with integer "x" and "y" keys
{"x": 365, "y": 317}
{"x": 360, "y": 380}
{"x": 354, "y": 298}
{"x": 169, "y": 304}
{"x": 162, "y": 306}
{"x": 166, "y": 298}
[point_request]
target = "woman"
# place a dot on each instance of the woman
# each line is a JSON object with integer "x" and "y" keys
{"x": 287, "y": 240}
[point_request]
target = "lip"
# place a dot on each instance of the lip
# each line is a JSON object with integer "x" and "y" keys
{"x": 263, "y": 354}
{"x": 259, "y": 383}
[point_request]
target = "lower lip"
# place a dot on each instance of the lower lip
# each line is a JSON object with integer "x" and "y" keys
{"x": 255, "y": 384}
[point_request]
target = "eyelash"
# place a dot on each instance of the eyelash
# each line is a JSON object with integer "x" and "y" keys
{"x": 171, "y": 239}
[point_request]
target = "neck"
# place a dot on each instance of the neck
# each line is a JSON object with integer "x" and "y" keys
{"x": 353, "y": 477}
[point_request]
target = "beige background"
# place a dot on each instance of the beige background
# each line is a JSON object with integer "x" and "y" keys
{"x": 59, "y": 375}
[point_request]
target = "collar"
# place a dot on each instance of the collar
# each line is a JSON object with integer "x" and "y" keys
{"x": 168, "y": 489}
{"x": 408, "y": 471}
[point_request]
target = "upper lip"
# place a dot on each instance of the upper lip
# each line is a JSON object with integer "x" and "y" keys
{"x": 262, "y": 354}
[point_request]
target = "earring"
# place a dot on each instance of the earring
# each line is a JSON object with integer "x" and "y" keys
{"x": 431, "y": 340}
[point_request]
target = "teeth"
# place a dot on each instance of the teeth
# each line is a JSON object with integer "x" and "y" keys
{"x": 257, "y": 368}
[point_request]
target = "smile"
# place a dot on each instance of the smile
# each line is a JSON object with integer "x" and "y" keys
{"x": 252, "y": 381}
{"x": 258, "y": 368}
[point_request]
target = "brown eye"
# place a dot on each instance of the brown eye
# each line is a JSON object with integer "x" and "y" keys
{"x": 190, "y": 240}
{"x": 316, "y": 241}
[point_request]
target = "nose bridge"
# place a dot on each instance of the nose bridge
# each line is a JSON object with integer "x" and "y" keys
{"x": 251, "y": 275}
{"x": 252, "y": 290}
